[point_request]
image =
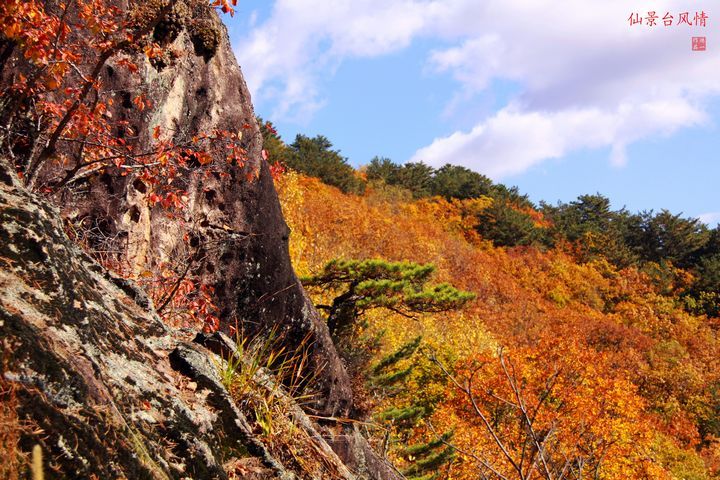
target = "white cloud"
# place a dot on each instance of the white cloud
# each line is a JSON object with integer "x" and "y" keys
{"x": 285, "y": 58}
{"x": 252, "y": 21}
{"x": 514, "y": 140}
{"x": 587, "y": 79}
{"x": 711, "y": 218}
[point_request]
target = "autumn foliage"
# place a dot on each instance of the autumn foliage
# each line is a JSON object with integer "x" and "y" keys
{"x": 558, "y": 368}
{"x": 64, "y": 124}
{"x": 569, "y": 359}
{"x": 57, "y": 108}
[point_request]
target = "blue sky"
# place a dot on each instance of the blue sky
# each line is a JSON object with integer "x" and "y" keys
{"x": 558, "y": 98}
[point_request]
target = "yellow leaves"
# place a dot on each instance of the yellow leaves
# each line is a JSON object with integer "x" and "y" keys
{"x": 607, "y": 330}
{"x": 559, "y": 295}
{"x": 679, "y": 462}
{"x": 291, "y": 197}
{"x": 52, "y": 83}
{"x": 163, "y": 158}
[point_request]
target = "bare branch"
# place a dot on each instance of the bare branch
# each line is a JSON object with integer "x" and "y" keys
{"x": 467, "y": 390}
{"x": 475, "y": 457}
{"x": 512, "y": 381}
{"x": 51, "y": 144}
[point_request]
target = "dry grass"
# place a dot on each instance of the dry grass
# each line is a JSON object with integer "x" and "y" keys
{"x": 269, "y": 381}
{"x": 14, "y": 463}
{"x": 37, "y": 463}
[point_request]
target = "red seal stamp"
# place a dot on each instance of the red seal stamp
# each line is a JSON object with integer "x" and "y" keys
{"x": 699, "y": 44}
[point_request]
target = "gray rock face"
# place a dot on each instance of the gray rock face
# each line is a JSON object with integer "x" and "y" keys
{"x": 92, "y": 360}
{"x": 116, "y": 393}
{"x": 238, "y": 239}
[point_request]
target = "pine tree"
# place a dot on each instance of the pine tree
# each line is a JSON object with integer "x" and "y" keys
{"x": 425, "y": 458}
{"x": 590, "y": 223}
{"x": 416, "y": 177}
{"x": 383, "y": 169}
{"x": 453, "y": 181}
{"x": 670, "y": 237}
{"x": 507, "y": 226}
{"x": 402, "y": 287}
{"x": 316, "y": 158}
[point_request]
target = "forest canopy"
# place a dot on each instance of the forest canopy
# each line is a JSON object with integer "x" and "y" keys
{"x": 654, "y": 241}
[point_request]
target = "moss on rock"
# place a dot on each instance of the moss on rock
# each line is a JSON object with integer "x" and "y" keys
{"x": 205, "y": 37}
{"x": 167, "y": 30}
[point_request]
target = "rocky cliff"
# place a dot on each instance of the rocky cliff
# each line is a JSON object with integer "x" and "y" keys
{"x": 109, "y": 389}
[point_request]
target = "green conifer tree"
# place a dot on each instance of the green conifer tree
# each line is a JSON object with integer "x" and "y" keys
{"x": 424, "y": 458}
{"x": 362, "y": 285}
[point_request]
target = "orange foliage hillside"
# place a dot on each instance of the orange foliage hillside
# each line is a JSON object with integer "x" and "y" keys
{"x": 626, "y": 379}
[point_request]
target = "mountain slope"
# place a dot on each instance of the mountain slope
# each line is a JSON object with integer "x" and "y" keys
{"x": 634, "y": 375}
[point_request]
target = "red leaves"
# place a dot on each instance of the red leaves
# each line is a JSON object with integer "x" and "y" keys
{"x": 154, "y": 198}
{"x": 270, "y": 128}
{"x": 168, "y": 162}
{"x": 153, "y": 50}
{"x": 188, "y": 302}
{"x": 225, "y": 6}
{"x": 173, "y": 200}
{"x": 141, "y": 102}
{"x": 277, "y": 170}
{"x": 127, "y": 63}
{"x": 203, "y": 158}
{"x": 211, "y": 324}
{"x": 203, "y": 308}
{"x": 138, "y": 102}
{"x": 64, "y": 57}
